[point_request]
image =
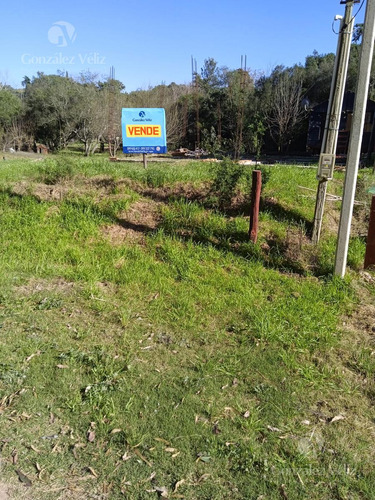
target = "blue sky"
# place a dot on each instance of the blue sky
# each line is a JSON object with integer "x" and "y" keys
{"x": 151, "y": 42}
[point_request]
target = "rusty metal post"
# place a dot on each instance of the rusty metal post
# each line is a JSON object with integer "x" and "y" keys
{"x": 256, "y": 188}
{"x": 370, "y": 246}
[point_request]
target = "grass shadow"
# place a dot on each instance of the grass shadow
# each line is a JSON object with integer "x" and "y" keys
{"x": 137, "y": 227}
{"x": 282, "y": 214}
{"x": 285, "y": 255}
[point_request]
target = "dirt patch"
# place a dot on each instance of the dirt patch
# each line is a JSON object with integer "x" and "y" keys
{"x": 360, "y": 219}
{"x": 178, "y": 190}
{"x": 362, "y": 319}
{"x": 103, "y": 186}
{"x": 117, "y": 235}
{"x": 42, "y": 285}
{"x": 297, "y": 247}
{"x": 16, "y": 492}
{"x": 143, "y": 213}
{"x": 24, "y": 155}
{"x": 4, "y": 492}
{"x": 98, "y": 187}
{"x": 42, "y": 192}
{"x": 141, "y": 218}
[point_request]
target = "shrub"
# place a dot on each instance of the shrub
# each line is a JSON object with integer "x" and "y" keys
{"x": 54, "y": 170}
{"x": 228, "y": 177}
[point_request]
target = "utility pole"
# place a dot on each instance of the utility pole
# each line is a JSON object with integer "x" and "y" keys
{"x": 196, "y": 92}
{"x": 329, "y": 143}
{"x": 241, "y": 110}
{"x": 355, "y": 141}
{"x": 111, "y": 114}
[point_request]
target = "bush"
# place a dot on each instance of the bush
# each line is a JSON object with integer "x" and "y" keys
{"x": 228, "y": 177}
{"x": 54, "y": 170}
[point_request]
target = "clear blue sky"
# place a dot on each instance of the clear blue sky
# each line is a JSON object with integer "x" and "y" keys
{"x": 150, "y": 42}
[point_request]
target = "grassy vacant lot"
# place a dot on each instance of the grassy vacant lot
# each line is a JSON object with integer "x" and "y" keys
{"x": 148, "y": 350}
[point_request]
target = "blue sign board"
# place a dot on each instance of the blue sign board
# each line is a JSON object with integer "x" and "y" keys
{"x": 143, "y": 130}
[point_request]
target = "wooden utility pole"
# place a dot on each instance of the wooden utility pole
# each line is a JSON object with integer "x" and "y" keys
{"x": 196, "y": 92}
{"x": 370, "y": 246}
{"x": 255, "y": 200}
{"x": 111, "y": 114}
{"x": 356, "y": 135}
{"x": 329, "y": 143}
{"x": 241, "y": 110}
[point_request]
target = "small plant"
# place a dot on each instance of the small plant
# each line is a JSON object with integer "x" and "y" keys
{"x": 226, "y": 177}
{"x": 229, "y": 177}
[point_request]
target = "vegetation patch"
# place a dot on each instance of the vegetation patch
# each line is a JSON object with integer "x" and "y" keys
{"x": 149, "y": 349}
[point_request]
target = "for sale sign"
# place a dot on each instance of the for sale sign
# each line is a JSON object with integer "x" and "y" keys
{"x": 143, "y": 130}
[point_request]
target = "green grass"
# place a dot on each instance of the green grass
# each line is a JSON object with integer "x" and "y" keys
{"x": 188, "y": 360}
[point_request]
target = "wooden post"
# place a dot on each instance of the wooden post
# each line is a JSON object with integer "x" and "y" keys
{"x": 145, "y": 160}
{"x": 370, "y": 246}
{"x": 256, "y": 188}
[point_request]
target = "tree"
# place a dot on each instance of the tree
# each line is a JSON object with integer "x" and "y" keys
{"x": 317, "y": 77}
{"x": 255, "y": 134}
{"x": 10, "y": 109}
{"x": 52, "y": 104}
{"x": 284, "y": 112}
{"x": 10, "y": 106}
{"x": 92, "y": 122}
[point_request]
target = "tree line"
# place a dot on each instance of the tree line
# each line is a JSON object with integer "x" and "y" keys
{"x": 223, "y": 111}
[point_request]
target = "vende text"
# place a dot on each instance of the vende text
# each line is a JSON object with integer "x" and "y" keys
{"x": 143, "y": 131}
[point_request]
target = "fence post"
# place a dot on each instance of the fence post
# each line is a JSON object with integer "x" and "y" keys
{"x": 255, "y": 199}
{"x": 370, "y": 246}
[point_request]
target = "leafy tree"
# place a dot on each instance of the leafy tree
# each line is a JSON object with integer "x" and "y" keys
{"x": 92, "y": 121}
{"x": 10, "y": 110}
{"x": 52, "y": 104}
{"x": 10, "y": 106}
{"x": 317, "y": 77}
{"x": 255, "y": 136}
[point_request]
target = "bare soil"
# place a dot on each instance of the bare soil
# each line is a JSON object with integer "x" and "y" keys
{"x": 142, "y": 217}
{"x": 3, "y": 491}
{"x": 45, "y": 285}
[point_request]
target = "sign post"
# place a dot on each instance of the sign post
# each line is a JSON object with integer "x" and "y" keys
{"x": 144, "y": 131}
{"x": 255, "y": 200}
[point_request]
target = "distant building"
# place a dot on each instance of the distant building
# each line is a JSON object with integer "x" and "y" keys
{"x": 42, "y": 149}
{"x": 317, "y": 123}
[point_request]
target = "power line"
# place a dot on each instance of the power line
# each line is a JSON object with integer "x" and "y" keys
{"x": 359, "y": 9}
{"x": 346, "y": 25}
